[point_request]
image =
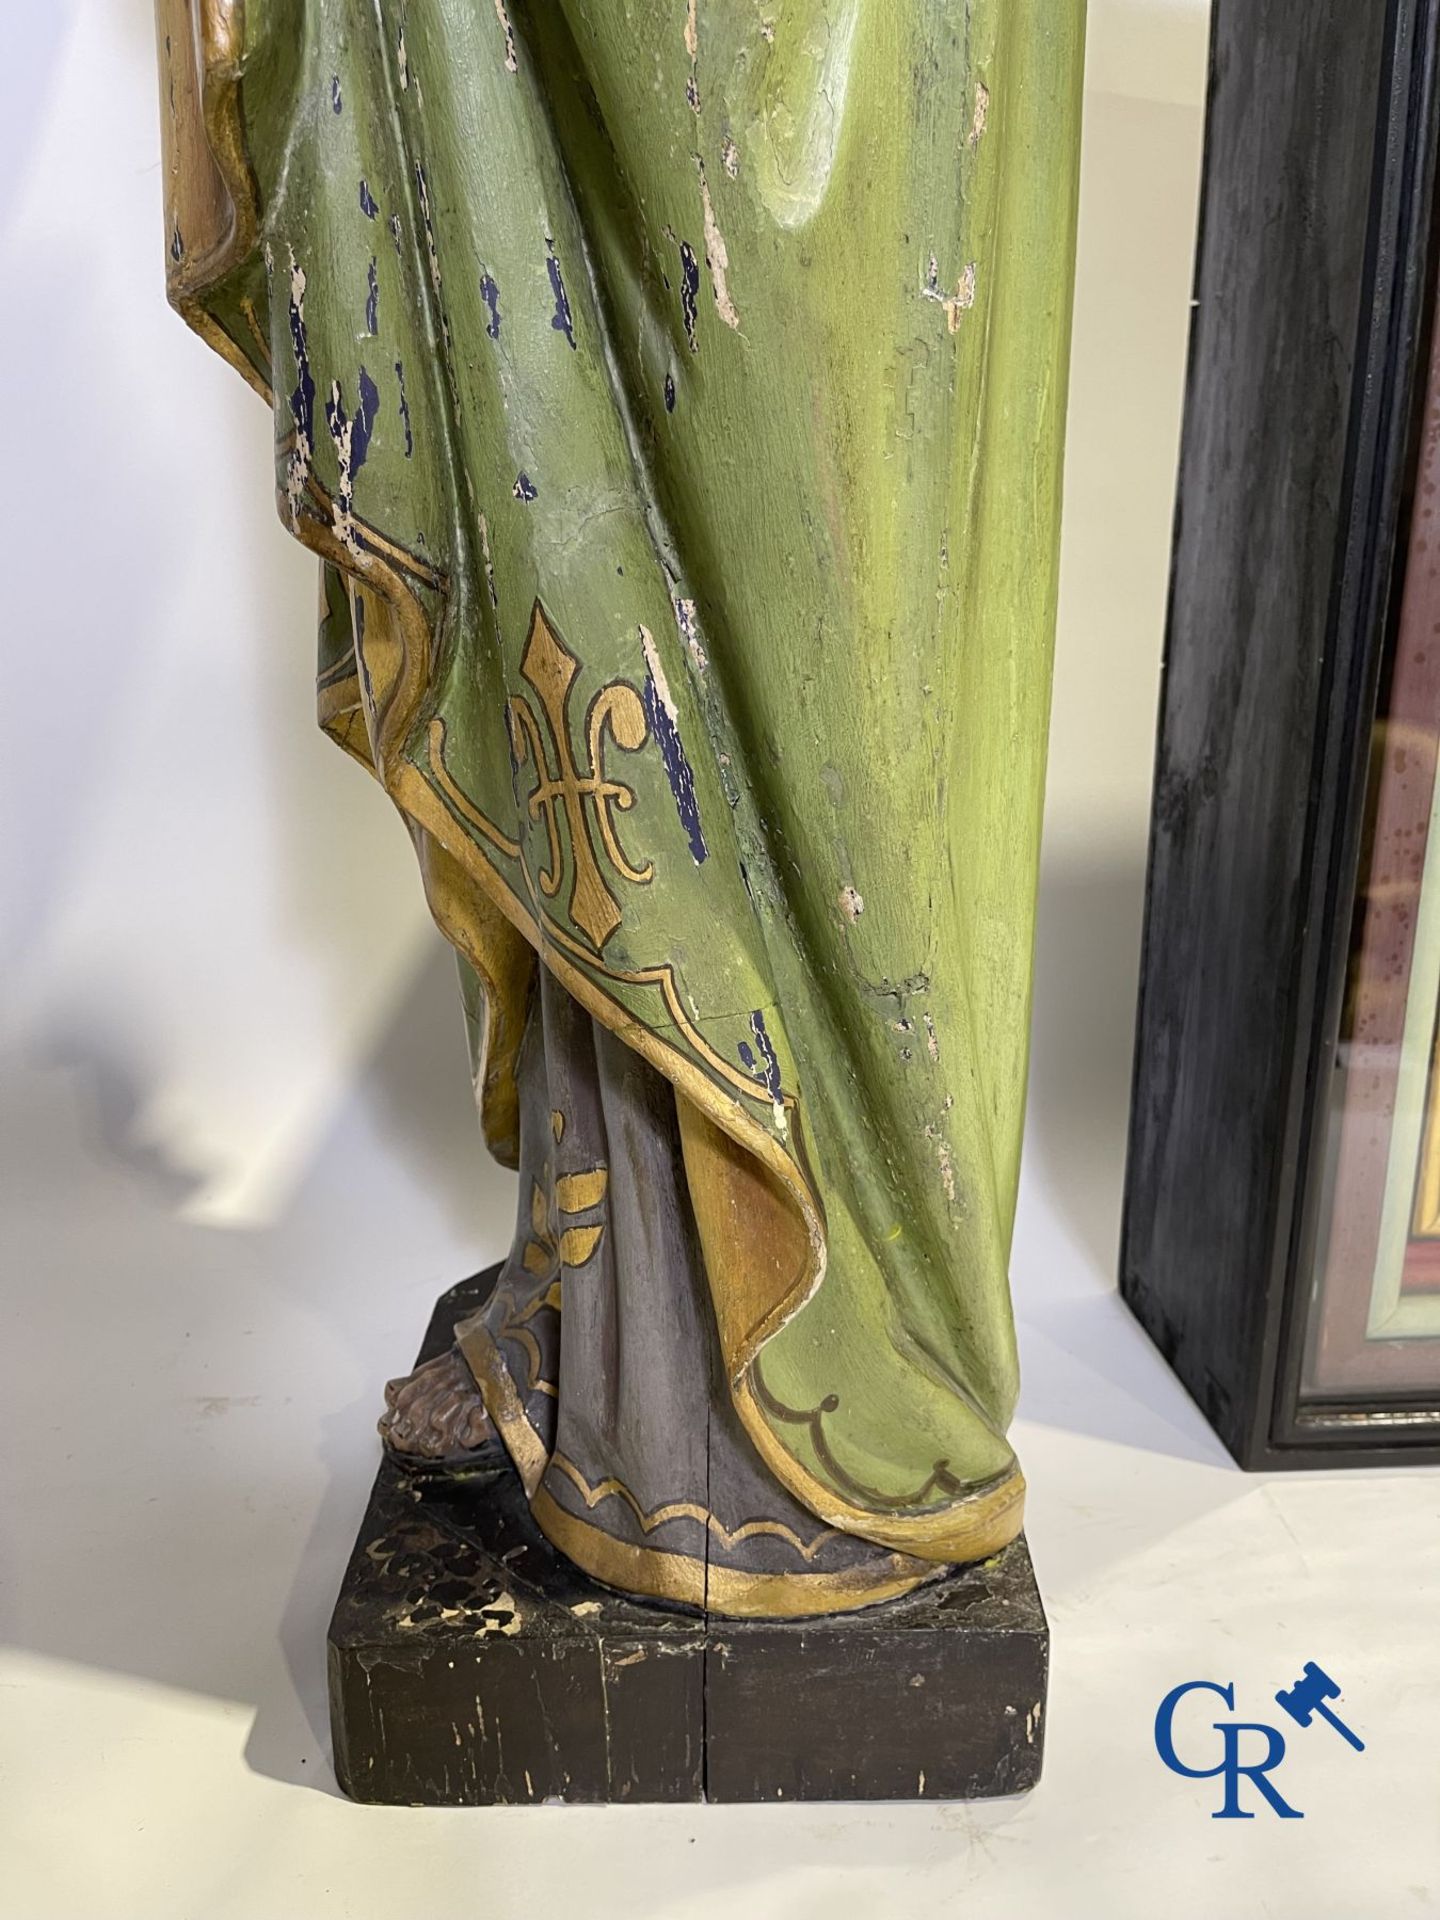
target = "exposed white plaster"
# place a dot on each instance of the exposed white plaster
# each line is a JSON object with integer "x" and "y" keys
{"x": 717, "y": 256}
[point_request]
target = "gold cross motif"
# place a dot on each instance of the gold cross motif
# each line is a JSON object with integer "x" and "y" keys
{"x": 550, "y": 667}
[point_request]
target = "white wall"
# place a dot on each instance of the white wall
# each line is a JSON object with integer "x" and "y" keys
{"x": 208, "y": 914}
{"x": 1145, "y": 88}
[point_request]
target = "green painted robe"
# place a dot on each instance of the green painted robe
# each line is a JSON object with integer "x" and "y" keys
{"x": 674, "y": 393}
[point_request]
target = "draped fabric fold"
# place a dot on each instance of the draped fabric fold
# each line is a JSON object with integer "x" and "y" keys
{"x": 673, "y": 391}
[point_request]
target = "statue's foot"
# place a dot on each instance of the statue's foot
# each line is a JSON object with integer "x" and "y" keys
{"x": 435, "y": 1419}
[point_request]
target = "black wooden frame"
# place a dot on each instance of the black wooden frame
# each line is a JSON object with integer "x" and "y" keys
{"x": 1313, "y": 300}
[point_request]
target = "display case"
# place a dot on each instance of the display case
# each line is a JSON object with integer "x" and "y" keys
{"x": 1281, "y": 1236}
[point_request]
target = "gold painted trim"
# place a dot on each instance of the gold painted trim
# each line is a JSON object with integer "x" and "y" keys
{"x": 380, "y": 544}
{"x": 550, "y": 1298}
{"x": 393, "y": 697}
{"x": 578, "y": 1192}
{"x": 962, "y": 1531}
{"x": 534, "y": 1381}
{"x": 539, "y": 928}
{"x": 452, "y": 792}
{"x": 577, "y": 1245}
{"x": 516, "y": 1327}
{"x": 337, "y": 675}
{"x": 347, "y": 730}
{"x": 743, "y": 1596}
{"x": 504, "y": 965}
{"x": 210, "y": 195}
{"x": 592, "y": 1493}
{"x": 260, "y": 337}
{"x": 502, "y": 1402}
{"x": 334, "y": 698}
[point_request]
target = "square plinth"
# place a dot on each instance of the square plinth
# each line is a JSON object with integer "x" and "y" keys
{"x": 472, "y": 1665}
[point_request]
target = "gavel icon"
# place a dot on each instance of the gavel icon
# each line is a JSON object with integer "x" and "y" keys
{"x": 1307, "y": 1698}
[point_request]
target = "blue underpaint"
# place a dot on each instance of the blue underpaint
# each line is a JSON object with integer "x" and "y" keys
{"x": 490, "y": 294}
{"x": 372, "y": 297}
{"x": 689, "y": 291}
{"x": 335, "y": 99}
{"x": 336, "y": 418}
{"x": 369, "y": 206}
{"x": 561, "y": 320}
{"x": 669, "y": 393}
{"x": 361, "y": 428}
{"x": 404, "y": 409}
{"x": 302, "y": 398}
{"x": 525, "y": 488}
{"x": 747, "y": 1054}
{"x": 771, "y": 1073}
{"x": 678, "y": 770}
{"x": 366, "y": 409}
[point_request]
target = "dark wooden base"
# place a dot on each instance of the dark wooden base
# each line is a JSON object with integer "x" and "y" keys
{"x": 471, "y": 1665}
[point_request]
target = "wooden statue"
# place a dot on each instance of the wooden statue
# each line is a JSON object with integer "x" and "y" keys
{"x": 673, "y": 391}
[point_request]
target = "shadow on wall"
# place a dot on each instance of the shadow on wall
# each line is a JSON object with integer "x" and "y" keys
{"x": 1139, "y": 186}
{"x": 1087, "y": 1366}
{"x": 1138, "y": 191}
{"x": 1087, "y": 969}
{"x": 191, "y": 1410}
{"x": 204, "y": 891}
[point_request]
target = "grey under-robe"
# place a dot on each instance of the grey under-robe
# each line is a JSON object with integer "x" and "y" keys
{"x": 602, "y": 1325}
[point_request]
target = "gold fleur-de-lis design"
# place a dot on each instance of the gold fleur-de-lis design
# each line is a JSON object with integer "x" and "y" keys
{"x": 552, "y": 1244}
{"x": 568, "y": 794}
